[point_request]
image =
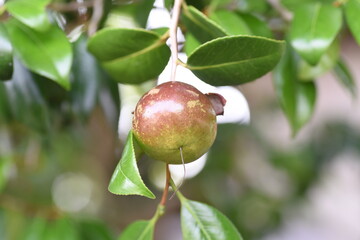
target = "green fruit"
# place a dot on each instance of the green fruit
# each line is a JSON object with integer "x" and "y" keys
{"x": 171, "y": 116}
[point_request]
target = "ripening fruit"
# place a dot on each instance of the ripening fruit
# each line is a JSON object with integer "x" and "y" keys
{"x": 175, "y": 115}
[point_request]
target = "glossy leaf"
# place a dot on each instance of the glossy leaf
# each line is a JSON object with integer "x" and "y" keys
{"x": 327, "y": 62}
{"x": 47, "y": 53}
{"x": 130, "y": 55}
{"x": 257, "y": 26}
{"x": 200, "y": 221}
{"x": 126, "y": 179}
{"x": 313, "y": 29}
{"x": 345, "y": 77}
{"x": 230, "y": 22}
{"x": 201, "y": 27}
{"x": 139, "y": 230}
{"x": 31, "y": 13}
{"x": 6, "y": 55}
{"x": 352, "y": 10}
{"x": 297, "y": 98}
{"x": 235, "y": 60}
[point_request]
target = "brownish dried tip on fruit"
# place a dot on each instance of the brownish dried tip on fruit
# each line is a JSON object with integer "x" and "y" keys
{"x": 218, "y": 102}
{"x": 175, "y": 115}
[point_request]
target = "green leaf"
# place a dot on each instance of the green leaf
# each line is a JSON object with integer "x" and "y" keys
{"x": 47, "y": 53}
{"x": 252, "y": 5}
{"x": 200, "y": 221}
{"x": 257, "y": 26}
{"x": 6, "y": 55}
{"x": 59, "y": 230}
{"x": 31, "y": 13}
{"x": 297, "y": 98}
{"x": 130, "y": 55}
{"x": 327, "y": 62}
{"x": 139, "y": 230}
{"x": 201, "y": 27}
{"x": 352, "y": 10}
{"x": 345, "y": 77}
{"x": 230, "y": 22}
{"x": 191, "y": 43}
{"x": 5, "y": 167}
{"x": 313, "y": 29}
{"x": 235, "y": 60}
{"x": 94, "y": 230}
{"x": 126, "y": 179}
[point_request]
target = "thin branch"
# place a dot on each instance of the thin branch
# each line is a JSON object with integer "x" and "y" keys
{"x": 173, "y": 37}
{"x": 98, "y": 11}
{"x": 70, "y": 7}
{"x": 285, "y": 14}
{"x": 166, "y": 189}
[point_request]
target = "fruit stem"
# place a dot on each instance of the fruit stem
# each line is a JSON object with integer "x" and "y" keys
{"x": 166, "y": 189}
{"x": 173, "y": 37}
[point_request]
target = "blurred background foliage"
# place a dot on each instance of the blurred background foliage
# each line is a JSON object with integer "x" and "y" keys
{"x": 59, "y": 148}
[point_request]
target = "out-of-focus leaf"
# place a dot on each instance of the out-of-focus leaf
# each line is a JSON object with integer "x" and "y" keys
{"x": 139, "y": 230}
{"x": 126, "y": 179}
{"x": 235, "y": 60}
{"x": 5, "y": 167}
{"x": 313, "y": 29}
{"x": 24, "y": 101}
{"x": 59, "y": 230}
{"x": 200, "y": 221}
{"x": 297, "y": 98}
{"x": 345, "y": 77}
{"x": 47, "y": 53}
{"x": 87, "y": 79}
{"x": 6, "y": 55}
{"x": 35, "y": 230}
{"x": 327, "y": 62}
{"x": 94, "y": 230}
{"x": 31, "y": 13}
{"x": 292, "y": 5}
{"x": 201, "y": 27}
{"x": 191, "y": 43}
{"x": 256, "y": 25}
{"x": 230, "y": 22}
{"x": 252, "y": 5}
{"x": 130, "y": 55}
{"x": 352, "y": 10}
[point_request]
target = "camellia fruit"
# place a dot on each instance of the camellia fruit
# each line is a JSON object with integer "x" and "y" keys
{"x": 174, "y": 116}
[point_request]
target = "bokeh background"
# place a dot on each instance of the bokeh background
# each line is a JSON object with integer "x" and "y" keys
{"x": 58, "y": 151}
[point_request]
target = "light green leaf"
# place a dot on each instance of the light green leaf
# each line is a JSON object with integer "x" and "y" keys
{"x": 297, "y": 98}
{"x": 345, "y": 77}
{"x": 6, "y": 55}
{"x": 59, "y": 230}
{"x": 230, "y": 22}
{"x": 327, "y": 62}
{"x": 139, "y": 230}
{"x": 130, "y": 56}
{"x": 313, "y": 29}
{"x": 5, "y": 167}
{"x": 126, "y": 179}
{"x": 352, "y": 10}
{"x": 47, "y": 53}
{"x": 235, "y": 60}
{"x": 200, "y": 221}
{"x": 201, "y": 27}
{"x": 191, "y": 43}
{"x": 31, "y": 13}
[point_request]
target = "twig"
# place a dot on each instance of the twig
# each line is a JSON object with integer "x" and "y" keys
{"x": 69, "y": 7}
{"x": 96, "y": 16}
{"x": 173, "y": 37}
{"x": 285, "y": 14}
{"x": 166, "y": 189}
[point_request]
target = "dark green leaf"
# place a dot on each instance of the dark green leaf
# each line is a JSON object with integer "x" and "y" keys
{"x": 201, "y": 27}
{"x": 297, "y": 98}
{"x": 31, "y": 13}
{"x": 313, "y": 29}
{"x": 94, "y": 230}
{"x": 230, "y": 22}
{"x": 200, "y": 221}
{"x": 47, "y": 53}
{"x": 345, "y": 77}
{"x": 130, "y": 55}
{"x": 126, "y": 179}
{"x": 256, "y": 25}
{"x": 352, "y": 10}
{"x": 235, "y": 60}
{"x": 327, "y": 62}
{"x": 139, "y": 230}
{"x": 6, "y": 55}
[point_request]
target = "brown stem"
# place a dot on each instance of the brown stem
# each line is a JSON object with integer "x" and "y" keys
{"x": 96, "y": 16}
{"x": 166, "y": 189}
